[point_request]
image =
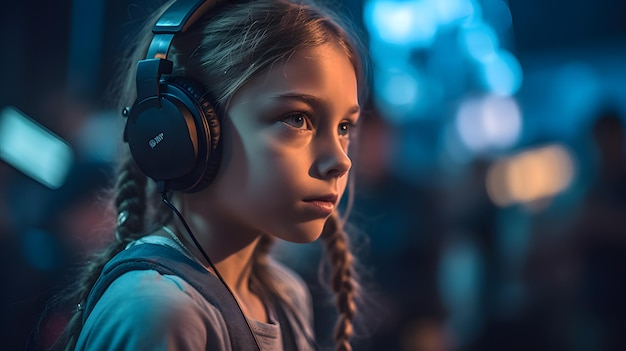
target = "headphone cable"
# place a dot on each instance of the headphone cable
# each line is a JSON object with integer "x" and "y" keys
{"x": 206, "y": 257}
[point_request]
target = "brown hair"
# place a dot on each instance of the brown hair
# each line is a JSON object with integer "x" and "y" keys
{"x": 227, "y": 48}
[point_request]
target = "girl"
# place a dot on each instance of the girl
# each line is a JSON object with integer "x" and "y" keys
{"x": 263, "y": 154}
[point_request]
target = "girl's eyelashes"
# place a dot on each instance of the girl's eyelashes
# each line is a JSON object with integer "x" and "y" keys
{"x": 298, "y": 120}
{"x": 346, "y": 128}
{"x": 302, "y": 122}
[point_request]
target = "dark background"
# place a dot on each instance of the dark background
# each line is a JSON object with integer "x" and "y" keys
{"x": 446, "y": 267}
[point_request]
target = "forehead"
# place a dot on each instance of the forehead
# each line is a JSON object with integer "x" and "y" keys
{"x": 324, "y": 71}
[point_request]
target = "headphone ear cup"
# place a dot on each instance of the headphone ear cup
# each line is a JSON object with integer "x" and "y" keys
{"x": 174, "y": 137}
{"x": 210, "y": 121}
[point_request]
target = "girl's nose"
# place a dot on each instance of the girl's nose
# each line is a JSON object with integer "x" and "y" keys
{"x": 333, "y": 161}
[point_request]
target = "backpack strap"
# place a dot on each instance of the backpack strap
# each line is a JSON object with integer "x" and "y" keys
{"x": 167, "y": 260}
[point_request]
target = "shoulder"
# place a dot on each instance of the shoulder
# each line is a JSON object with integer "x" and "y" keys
{"x": 147, "y": 310}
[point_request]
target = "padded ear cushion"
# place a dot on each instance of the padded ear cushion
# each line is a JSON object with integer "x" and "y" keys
{"x": 208, "y": 127}
{"x": 174, "y": 137}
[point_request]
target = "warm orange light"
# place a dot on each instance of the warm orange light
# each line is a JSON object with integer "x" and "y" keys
{"x": 530, "y": 176}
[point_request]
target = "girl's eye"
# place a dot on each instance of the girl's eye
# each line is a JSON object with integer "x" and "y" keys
{"x": 297, "y": 120}
{"x": 344, "y": 128}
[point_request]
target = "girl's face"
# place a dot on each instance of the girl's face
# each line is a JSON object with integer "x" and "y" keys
{"x": 285, "y": 142}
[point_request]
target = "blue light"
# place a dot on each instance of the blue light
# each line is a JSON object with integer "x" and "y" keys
{"x": 576, "y": 88}
{"x": 452, "y": 11}
{"x": 479, "y": 40}
{"x": 389, "y": 55}
{"x": 33, "y": 149}
{"x": 500, "y": 15}
{"x": 398, "y": 90}
{"x": 502, "y": 73}
{"x": 411, "y": 23}
{"x": 489, "y": 123}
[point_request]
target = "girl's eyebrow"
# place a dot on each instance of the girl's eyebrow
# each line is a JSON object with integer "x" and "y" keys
{"x": 312, "y": 101}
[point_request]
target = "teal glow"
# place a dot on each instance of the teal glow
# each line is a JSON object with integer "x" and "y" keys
{"x": 502, "y": 73}
{"x": 479, "y": 40}
{"x": 33, "y": 149}
{"x": 453, "y": 11}
{"x": 412, "y": 23}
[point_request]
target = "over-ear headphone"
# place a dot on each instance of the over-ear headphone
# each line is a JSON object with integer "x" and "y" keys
{"x": 172, "y": 128}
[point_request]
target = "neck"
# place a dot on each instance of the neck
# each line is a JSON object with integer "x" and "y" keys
{"x": 232, "y": 259}
{"x": 230, "y": 252}
{"x": 236, "y": 268}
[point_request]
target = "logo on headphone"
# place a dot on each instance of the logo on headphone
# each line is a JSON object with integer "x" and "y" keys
{"x": 155, "y": 141}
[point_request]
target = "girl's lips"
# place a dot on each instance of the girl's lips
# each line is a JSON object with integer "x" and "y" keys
{"x": 323, "y": 205}
{"x": 324, "y": 208}
{"x": 332, "y": 198}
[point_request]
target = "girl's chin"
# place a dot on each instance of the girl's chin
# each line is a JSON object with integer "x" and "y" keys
{"x": 304, "y": 233}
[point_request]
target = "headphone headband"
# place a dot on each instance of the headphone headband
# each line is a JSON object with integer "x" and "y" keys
{"x": 178, "y": 17}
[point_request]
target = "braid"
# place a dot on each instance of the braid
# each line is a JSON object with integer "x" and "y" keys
{"x": 158, "y": 213}
{"x": 342, "y": 281}
{"x": 130, "y": 201}
{"x": 130, "y": 204}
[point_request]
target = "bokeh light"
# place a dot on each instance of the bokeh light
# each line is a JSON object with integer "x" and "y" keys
{"x": 489, "y": 123}
{"x": 531, "y": 175}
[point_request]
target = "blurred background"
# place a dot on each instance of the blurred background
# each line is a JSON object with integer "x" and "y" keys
{"x": 491, "y": 184}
